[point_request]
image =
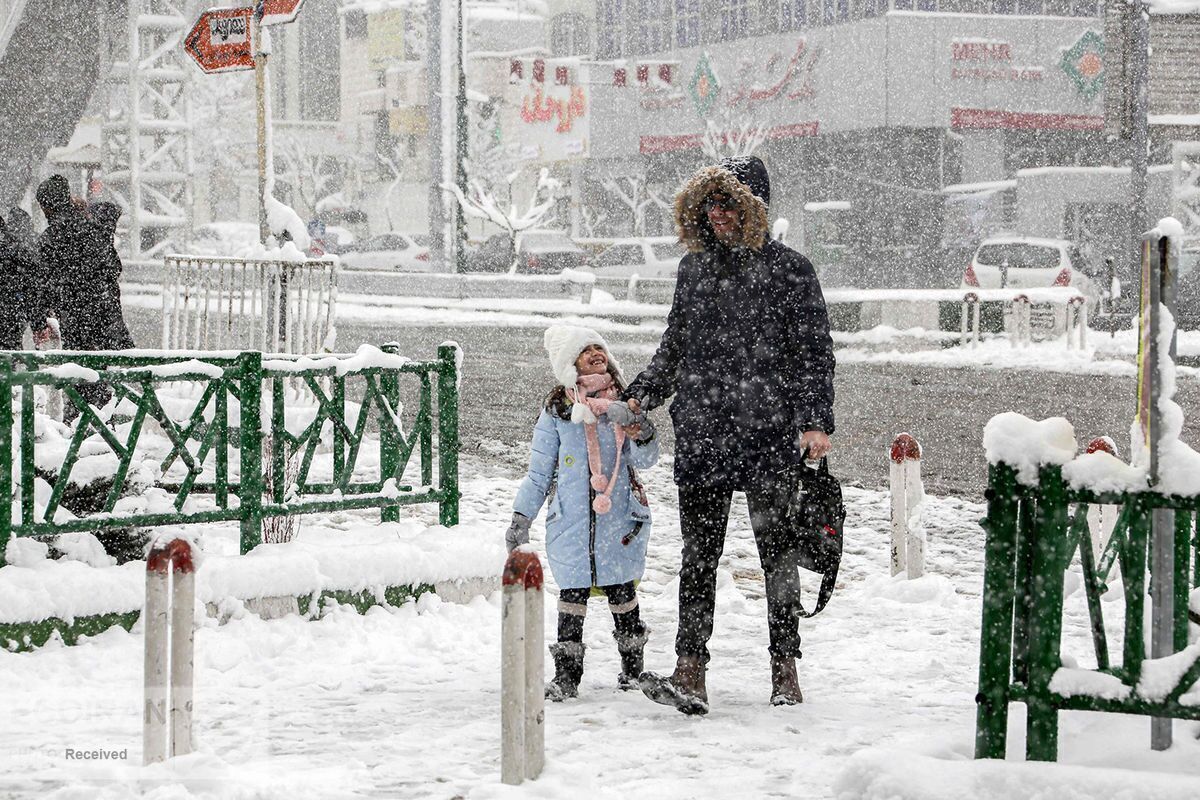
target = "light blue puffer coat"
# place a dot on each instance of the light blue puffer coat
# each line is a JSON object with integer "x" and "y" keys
{"x": 584, "y": 548}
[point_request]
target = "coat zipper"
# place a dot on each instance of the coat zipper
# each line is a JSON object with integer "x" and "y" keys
{"x": 592, "y": 533}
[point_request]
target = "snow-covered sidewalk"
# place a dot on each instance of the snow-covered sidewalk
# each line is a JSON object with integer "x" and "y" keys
{"x": 405, "y": 702}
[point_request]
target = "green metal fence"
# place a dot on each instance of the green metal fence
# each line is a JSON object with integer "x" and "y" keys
{"x": 1033, "y": 534}
{"x": 221, "y": 443}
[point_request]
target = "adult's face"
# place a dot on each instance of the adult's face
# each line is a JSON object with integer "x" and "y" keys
{"x": 723, "y": 216}
{"x": 592, "y": 361}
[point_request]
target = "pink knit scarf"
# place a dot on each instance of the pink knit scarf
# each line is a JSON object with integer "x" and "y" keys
{"x": 597, "y": 393}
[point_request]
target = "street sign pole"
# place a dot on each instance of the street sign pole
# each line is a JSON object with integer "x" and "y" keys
{"x": 260, "y": 96}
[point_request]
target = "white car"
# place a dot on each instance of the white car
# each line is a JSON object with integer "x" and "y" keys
{"x": 655, "y": 257}
{"x": 227, "y": 239}
{"x": 1025, "y": 262}
{"x": 400, "y": 251}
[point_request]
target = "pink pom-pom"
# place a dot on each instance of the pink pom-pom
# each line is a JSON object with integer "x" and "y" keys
{"x": 599, "y": 483}
{"x": 602, "y": 504}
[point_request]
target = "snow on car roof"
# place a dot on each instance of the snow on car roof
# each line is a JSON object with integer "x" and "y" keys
{"x": 1034, "y": 240}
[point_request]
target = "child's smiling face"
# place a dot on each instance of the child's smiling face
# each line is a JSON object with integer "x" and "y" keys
{"x": 592, "y": 361}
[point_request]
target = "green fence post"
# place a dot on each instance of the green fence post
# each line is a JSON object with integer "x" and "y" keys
{"x": 995, "y": 644}
{"x": 389, "y": 440}
{"x": 250, "y": 483}
{"x": 1134, "y": 552}
{"x": 448, "y": 434}
{"x": 6, "y": 453}
{"x": 278, "y": 441}
{"x": 1045, "y": 623}
{"x": 1023, "y": 607}
{"x": 28, "y": 471}
{"x": 1183, "y": 526}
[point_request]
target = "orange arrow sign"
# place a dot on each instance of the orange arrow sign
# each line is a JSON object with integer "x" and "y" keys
{"x": 277, "y": 12}
{"x": 220, "y": 40}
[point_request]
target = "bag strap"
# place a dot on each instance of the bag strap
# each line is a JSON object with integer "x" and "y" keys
{"x": 827, "y": 582}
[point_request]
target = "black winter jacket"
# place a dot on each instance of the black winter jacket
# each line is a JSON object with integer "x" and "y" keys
{"x": 747, "y": 352}
{"x": 82, "y": 274}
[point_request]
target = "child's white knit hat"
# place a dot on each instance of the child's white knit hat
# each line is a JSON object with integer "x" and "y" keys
{"x": 564, "y": 343}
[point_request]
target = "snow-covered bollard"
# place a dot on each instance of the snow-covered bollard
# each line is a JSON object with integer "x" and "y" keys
{"x": 1102, "y": 519}
{"x": 170, "y": 598}
{"x": 1077, "y": 323}
{"x": 908, "y": 494}
{"x": 1022, "y": 321}
{"x": 522, "y": 687}
{"x": 970, "y": 319}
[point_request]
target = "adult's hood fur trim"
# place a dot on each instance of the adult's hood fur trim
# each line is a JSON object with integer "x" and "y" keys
{"x": 691, "y": 220}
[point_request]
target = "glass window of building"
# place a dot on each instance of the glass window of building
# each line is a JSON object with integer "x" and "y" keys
{"x": 653, "y": 21}
{"x": 734, "y": 19}
{"x": 687, "y": 23}
{"x": 610, "y": 28}
{"x": 793, "y": 15}
{"x": 570, "y": 35}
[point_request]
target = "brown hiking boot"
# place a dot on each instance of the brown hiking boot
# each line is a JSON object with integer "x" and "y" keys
{"x": 685, "y": 688}
{"x": 785, "y": 687}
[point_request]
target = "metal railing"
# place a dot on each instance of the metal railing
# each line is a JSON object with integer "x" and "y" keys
{"x": 217, "y": 303}
{"x": 1032, "y": 537}
{"x": 215, "y": 444}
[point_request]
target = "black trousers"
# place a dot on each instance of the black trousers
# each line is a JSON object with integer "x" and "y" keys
{"x": 703, "y": 519}
{"x": 622, "y": 602}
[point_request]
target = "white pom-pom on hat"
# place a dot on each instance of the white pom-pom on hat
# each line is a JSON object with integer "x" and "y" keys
{"x": 564, "y": 343}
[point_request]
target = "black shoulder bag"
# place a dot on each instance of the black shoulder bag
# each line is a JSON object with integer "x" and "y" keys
{"x": 815, "y": 521}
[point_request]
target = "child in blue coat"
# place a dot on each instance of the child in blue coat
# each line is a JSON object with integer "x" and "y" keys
{"x": 586, "y": 446}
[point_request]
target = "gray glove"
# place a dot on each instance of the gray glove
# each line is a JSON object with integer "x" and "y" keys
{"x": 518, "y": 531}
{"x": 647, "y": 432}
{"x": 621, "y": 414}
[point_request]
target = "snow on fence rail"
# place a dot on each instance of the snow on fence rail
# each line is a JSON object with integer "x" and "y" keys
{"x": 1039, "y": 519}
{"x": 276, "y": 306}
{"x": 159, "y": 434}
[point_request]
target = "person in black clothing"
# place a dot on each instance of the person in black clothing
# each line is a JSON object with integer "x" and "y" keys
{"x": 81, "y": 270}
{"x": 20, "y": 280}
{"x": 748, "y": 357}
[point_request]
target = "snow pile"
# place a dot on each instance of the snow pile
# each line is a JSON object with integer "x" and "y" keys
{"x": 1072, "y": 682}
{"x": 1178, "y": 464}
{"x": 878, "y": 774}
{"x": 1161, "y": 675}
{"x": 1104, "y": 472}
{"x": 900, "y": 588}
{"x": 1025, "y": 444}
{"x": 370, "y": 556}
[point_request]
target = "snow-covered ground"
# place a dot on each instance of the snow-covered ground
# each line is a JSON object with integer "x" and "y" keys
{"x": 405, "y": 702}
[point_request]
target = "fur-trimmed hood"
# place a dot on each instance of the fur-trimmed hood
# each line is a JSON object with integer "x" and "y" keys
{"x": 691, "y": 220}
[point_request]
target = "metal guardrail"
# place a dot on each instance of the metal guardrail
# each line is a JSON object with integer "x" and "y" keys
{"x": 276, "y": 306}
{"x": 1032, "y": 537}
{"x": 222, "y": 448}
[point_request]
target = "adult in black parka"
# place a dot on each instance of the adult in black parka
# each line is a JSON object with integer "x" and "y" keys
{"x": 748, "y": 357}
{"x": 20, "y": 280}
{"x": 82, "y": 273}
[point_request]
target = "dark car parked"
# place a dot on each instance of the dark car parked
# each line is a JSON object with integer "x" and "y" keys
{"x": 536, "y": 253}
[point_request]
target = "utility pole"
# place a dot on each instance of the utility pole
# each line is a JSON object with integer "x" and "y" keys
{"x": 261, "y": 53}
{"x": 1139, "y": 140}
{"x": 433, "y": 72}
{"x": 460, "y": 149}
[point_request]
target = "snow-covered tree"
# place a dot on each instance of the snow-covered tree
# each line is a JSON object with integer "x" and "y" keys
{"x": 308, "y": 174}
{"x": 636, "y": 196}
{"x": 480, "y": 202}
{"x": 733, "y": 134}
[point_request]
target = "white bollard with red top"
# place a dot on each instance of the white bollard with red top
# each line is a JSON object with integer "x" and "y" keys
{"x": 522, "y": 686}
{"x": 908, "y": 495}
{"x": 1077, "y": 323}
{"x": 170, "y": 602}
{"x": 970, "y": 319}
{"x": 1102, "y": 519}
{"x": 1022, "y": 321}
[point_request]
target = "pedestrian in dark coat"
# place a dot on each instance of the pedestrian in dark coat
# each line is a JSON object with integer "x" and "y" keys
{"x": 106, "y": 215}
{"x": 77, "y": 257}
{"x": 20, "y": 281}
{"x": 748, "y": 357}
